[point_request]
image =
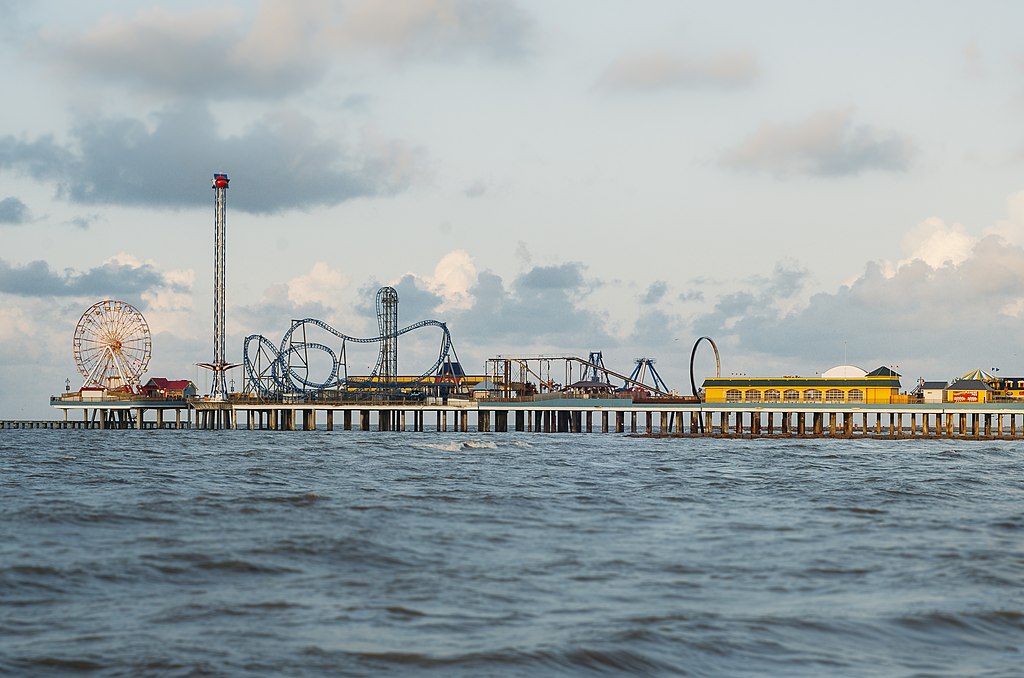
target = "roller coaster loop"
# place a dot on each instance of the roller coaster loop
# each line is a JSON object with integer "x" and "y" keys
{"x": 277, "y": 370}
{"x": 693, "y": 354}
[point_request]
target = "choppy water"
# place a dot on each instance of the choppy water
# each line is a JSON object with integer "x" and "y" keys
{"x": 314, "y": 553}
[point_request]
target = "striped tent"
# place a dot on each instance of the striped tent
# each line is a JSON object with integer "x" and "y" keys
{"x": 979, "y": 375}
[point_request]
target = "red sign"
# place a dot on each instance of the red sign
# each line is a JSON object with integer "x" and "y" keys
{"x": 965, "y": 396}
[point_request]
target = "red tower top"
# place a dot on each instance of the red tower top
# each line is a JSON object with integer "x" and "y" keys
{"x": 220, "y": 181}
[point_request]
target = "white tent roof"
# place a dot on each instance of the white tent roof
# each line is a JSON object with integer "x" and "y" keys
{"x": 844, "y": 372}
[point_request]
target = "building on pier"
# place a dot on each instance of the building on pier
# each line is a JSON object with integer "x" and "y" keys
{"x": 174, "y": 389}
{"x": 968, "y": 391}
{"x": 841, "y": 384}
{"x": 933, "y": 391}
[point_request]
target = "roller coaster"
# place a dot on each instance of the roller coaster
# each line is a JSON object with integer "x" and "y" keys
{"x": 288, "y": 370}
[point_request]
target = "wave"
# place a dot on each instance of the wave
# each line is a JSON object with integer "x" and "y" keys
{"x": 457, "y": 446}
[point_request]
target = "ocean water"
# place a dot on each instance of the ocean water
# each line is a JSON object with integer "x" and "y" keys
{"x": 236, "y": 553}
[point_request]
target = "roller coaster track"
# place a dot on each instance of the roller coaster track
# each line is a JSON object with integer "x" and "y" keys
{"x": 278, "y": 370}
{"x": 718, "y": 371}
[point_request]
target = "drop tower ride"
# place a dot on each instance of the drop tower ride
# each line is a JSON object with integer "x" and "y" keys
{"x": 219, "y": 389}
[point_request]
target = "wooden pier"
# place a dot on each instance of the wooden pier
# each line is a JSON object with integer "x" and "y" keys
{"x": 562, "y": 415}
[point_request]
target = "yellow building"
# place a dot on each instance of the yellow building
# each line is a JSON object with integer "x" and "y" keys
{"x": 968, "y": 391}
{"x": 842, "y": 384}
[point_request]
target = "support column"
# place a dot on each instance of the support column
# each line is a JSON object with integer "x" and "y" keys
{"x": 604, "y": 421}
{"x": 138, "y": 418}
{"x": 330, "y": 420}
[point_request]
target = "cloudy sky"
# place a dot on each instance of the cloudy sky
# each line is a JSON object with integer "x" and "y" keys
{"x": 805, "y": 182}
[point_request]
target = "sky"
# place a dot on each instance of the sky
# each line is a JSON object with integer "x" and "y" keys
{"x": 809, "y": 184}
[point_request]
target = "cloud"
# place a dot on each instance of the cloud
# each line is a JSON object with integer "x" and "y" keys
{"x": 659, "y": 71}
{"x": 322, "y": 285}
{"x": 941, "y": 319}
{"x": 827, "y": 144}
{"x": 937, "y": 244}
{"x": 561, "y": 277}
{"x": 475, "y": 190}
{"x": 453, "y": 277}
{"x": 119, "y": 277}
{"x": 197, "y": 53}
{"x": 13, "y": 211}
{"x": 654, "y": 293}
{"x": 277, "y": 164}
{"x": 541, "y": 307}
{"x": 1011, "y": 228}
{"x": 436, "y": 29}
{"x": 216, "y": 52}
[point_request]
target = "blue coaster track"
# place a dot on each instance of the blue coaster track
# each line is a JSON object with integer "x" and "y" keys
{"x": 279, "y": 370}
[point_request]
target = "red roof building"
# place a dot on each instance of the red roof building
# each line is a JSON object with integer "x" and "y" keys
{"x": 158, "y": 387}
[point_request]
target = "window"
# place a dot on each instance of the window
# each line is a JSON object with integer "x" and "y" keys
{"x": 772, "y": 395}
{"x": 752, "y": 396}
{"x": 834, "y": 395}
{"x": 812, "y": 395}
{"x": 791, "y": 395}
{"x": 856, "y": 396}
{"x": 733, "y": 395}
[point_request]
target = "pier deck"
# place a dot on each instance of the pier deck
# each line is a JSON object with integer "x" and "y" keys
{"x": 559, "y": 415}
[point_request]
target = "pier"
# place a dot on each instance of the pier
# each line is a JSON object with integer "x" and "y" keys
{"x": 115, "y": 413}
{"x": 547, "y": 414}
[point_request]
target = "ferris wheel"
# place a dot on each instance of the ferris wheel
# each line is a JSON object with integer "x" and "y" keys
{"x": 112, "y": 345}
